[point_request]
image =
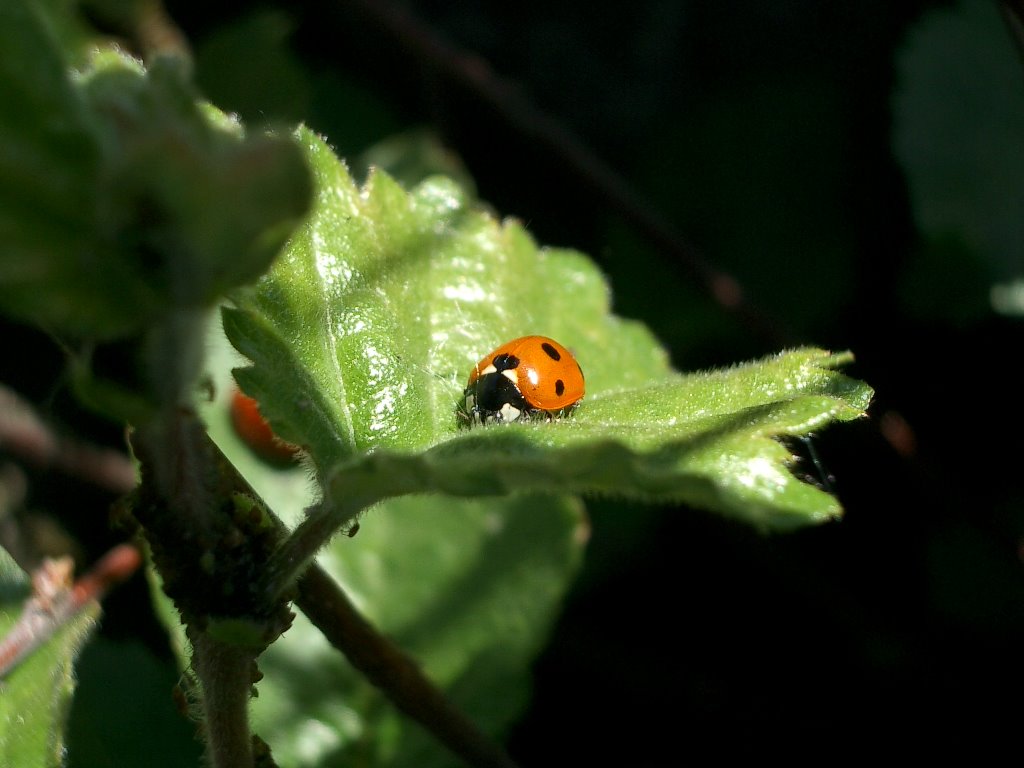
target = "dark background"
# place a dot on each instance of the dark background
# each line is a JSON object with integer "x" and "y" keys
{"x": 762, "y": 134}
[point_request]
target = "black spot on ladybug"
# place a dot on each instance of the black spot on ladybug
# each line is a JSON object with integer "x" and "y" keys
{"x": 559, "y": 387}
{"x": 550, "y": 352}
{"x": 505, "y": 362}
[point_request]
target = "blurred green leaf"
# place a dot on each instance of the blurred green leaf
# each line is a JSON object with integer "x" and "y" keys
{"x": 414, "y": 156}
{"x": 35, "y": 696}
{"x": 200, "y": 206}
{"x": 49, "y": 166}
{"x": 124, "y": 714}
{"x": 120, "y": 196}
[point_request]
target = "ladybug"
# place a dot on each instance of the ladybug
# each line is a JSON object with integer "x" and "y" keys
{"x": 522, "y": 379}
{"x": 256, "y": 432}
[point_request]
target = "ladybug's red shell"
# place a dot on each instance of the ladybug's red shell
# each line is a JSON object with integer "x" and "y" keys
{"x": 256, "y": 432}
{"x": 522, "y": 377}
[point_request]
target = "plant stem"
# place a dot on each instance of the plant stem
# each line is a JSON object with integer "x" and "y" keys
{"x": 26, "y": 436}
{"x": 397, "y": 675}
{"x": 55, "y": 601}
{"x": 225, "y": 671}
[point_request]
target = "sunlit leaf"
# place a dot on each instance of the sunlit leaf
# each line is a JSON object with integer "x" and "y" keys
{"x": 362, "y": 336}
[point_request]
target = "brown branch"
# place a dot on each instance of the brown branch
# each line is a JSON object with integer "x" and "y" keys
{"x": 387, "y": 667}
{"x": 472, "y": 73}
{"x": 55, "y": 600}
{"x": 24, "y": 435}
{"x": 225, "y": 670}
{"x": 319, "y": 597}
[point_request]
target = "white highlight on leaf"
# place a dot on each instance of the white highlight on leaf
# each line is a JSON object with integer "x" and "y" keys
{"x": 796, "y": 382}
{"x": 376, "y": 361}
{"x": 380, "y": 369}
{"x": 441, "y": 197}
{"x": 331, "y": 270}
{"x": 762, "y": 472}
{"x": 470, "y": 292}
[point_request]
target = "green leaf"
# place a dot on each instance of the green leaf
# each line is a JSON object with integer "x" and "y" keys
{"x": 468, "y": 588}
{"x": 286, "y": 489}
{"x": 363, "y": 334}
{"x": 360, "y": 340}
{"x": 705, "y": 439}
{"x": 124, "y": 713}
{"x": 121, "y": 197}
{"x": 49, "y": 162}
{"x": 384, "y": 300}
{"x": 35, "y": 696}
{"x": 188, "y": 188}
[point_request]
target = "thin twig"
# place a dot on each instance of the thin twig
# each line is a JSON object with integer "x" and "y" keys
{"x": 383, "y": 663}
{"x": 26, "y": 436}
{"x": 397, "y": 675}
{"x": 55, "y": 600}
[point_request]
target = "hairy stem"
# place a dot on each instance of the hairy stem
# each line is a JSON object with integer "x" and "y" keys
{"x": 225, "y": 671}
